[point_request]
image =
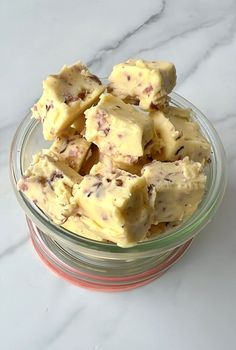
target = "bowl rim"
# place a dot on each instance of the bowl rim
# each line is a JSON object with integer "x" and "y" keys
{"x": 217, "y": 179}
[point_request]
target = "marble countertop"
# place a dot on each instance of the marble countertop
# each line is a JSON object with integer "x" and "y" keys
{"x": 193, "y": 305}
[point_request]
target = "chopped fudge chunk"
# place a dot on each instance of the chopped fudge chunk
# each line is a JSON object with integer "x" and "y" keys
{"x": 48, "y": 183}
{"x": 180, "y": 135}
{"x": 118, "y": 129}
{"x": 83, "y": 226}
{"x": 179, "y": 188}
{"x": 72, "y": 149}
{"x": 116, "y": 201}
{"x": 145, "y": 82}
{"x": 65, "y": 97}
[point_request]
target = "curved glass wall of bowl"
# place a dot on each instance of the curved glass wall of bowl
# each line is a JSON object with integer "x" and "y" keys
{"x": 91, "y": 255}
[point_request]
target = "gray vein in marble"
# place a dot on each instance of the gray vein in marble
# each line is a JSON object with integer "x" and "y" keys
{"x": 13, "y": 248}
{"x": 97, "y": 59}
{"x": 232, "y": 159}
{"x": 63, "y": 327}
{"x": 224, "y": 41}
{"x": 225, "y": 118}
{"x": 181, "y": 34}
{"x": 7, "y": 126}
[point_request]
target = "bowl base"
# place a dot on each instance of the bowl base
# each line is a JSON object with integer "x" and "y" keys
{"x": 101, "y": 283}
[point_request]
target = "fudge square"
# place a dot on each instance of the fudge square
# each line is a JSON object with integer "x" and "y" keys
{"x": 65, "y": 97}
{"x": 116, "y": 201}
{"x": 145, "y": 82}
{"x": 179, "y": 188}
{"x": 48, "y": 183}
{"x": 180, "y": 135}
{"x": 118, "y": 129}
{"x": 72, "y": 148}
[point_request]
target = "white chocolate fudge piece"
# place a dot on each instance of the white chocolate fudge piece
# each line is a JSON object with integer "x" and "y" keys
{"x": 65, "y": 97}
{"x": 118, "y": 129}
{"x": 179, "y": 188}
{"x": 48, "y": 183}
{"x": 152, "y": 150}
{"x": 180, "y": 135}
{"x": 116, "y": 201}
{"x": 71, "y": 149}
{"x": 146, "y": 82}
{"x": 83, "y": 226}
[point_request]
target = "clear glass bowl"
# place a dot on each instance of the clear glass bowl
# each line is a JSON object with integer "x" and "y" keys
{"x": 104, "y": 266}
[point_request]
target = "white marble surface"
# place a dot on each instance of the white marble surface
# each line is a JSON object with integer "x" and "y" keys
{"x": 193, "y": 305}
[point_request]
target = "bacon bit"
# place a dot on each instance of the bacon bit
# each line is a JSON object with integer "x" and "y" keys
{"x": 56, "y": 175}
{"x": 35, "y": 108}
{"x": 106, "y": 131}
{"x": 73, "y": 153}
{"x": 128, "y": 77}
{"x": 70, "y": 98}
{"x": 23, "y": 187}
{"x": 102, "y": 122}
{"x": 119, "y": 182}
{"x": 148, "y": 89}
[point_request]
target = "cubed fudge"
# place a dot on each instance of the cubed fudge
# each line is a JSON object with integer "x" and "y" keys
{"x": 65, "y": 97}
{"x": 116, "y": 201}
{"x": 118, "y": 129}
{"x": 72, "y": 149}
{"x": 179, "y": 188}
{"x": 145, "y": 82}
{"x": 48, "y": 183}
{"x": 181, "y": 136}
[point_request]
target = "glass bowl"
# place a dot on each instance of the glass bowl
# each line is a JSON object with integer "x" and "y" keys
{"x": 105, "y": 266}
